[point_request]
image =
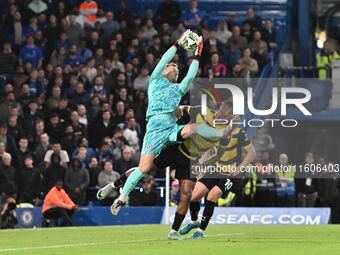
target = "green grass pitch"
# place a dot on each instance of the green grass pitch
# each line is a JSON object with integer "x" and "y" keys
{"x": 151, "y": 239}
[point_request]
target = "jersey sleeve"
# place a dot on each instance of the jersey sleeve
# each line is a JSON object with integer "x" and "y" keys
{"x": 186, "y": 82}
{"x": 168, "y": 55}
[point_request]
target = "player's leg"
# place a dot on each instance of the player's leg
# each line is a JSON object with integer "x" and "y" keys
{"x": 204, "y": 130}
{"x": 200, "y": 191}
{"x": 186, "y": 188}
{"x": 214, "y": 194}
{"x": 161, "y": 161}
{"x": 109, "y": 188}
{"x": 145, "y": 166}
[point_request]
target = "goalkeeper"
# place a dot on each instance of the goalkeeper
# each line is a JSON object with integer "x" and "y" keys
{"x": 164, "y": 95}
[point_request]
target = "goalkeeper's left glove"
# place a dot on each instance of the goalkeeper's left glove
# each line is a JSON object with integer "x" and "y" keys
{"x": 199, "y": 49}
{"x": 180, "y": 40}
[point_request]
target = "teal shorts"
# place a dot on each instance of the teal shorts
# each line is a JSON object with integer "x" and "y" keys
{"x": 161, "y": 130}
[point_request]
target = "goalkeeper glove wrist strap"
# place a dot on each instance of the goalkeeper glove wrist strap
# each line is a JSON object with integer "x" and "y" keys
{"x": 197, "y": 57}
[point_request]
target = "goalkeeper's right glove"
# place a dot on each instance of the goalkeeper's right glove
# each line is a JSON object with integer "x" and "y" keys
{"x": 199, "y": 49}
{"x": 181, "y": 38}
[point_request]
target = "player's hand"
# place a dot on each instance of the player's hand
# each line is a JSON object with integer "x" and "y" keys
{"x": 182, "y": 37}
{"x": 199, "y": 49}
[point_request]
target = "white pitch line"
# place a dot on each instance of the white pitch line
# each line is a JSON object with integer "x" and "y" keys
{"x": 99, "y": 243}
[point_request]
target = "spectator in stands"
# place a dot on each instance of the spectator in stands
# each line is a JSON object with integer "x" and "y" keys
{"x": 324, "y": 59}
{"x": 142, "y": 80}
{"x": 54, "y": 99}
{"x": 7, "y": 139}
{"x": 126, "y": 161}
{"x": 41, "y": 149}
{"x": 8, "y": 104}
{"x": 99, "y": 90}
{"x": 284, "y": 184}
{"x": 54, "y": 127}
{"x": 109, "y": 26}
{"x": 247, "y": 32}
{"x": 29, "y": 183}
{"x": 104, "y": 153}
{"x": 254, "y": 21}
{"x": 212, "y": 43}
{"x": 132, "y": 132}
{"x": 223, "y": 34}
{"x": 148, "y": 196}
{"x": 269, "y": 35}
{"x": 69, "y": 140}
{"x": 14, "y": 128}
{"x": 260, "y": 55}
{"x": 76, "y": 182}
{"x": 218, "y": 69}
{"x": 82, "y": 142}
{"x": 78, "y": 128}
{"x": 17, "y": 30}
{"x": 31, "y": 53}
{"x": 7, "y": 176}
{"x": 8, "y": 216}
{"x": 94, "y": 170}
{"x": 73, "y": 30}
{"x": 105, "y": 177}
{"x": 257, "y": 41}
{"x": 57, "y": 204}
{"x": 169, "y": 12}
{"x": 149, "y": 30}
{"x": 104, "y": 128}
{"x": 306, "y": 188}
{"x": 21, "y": 153}
{"x": 192, "y": 18}
{"x": 8, "y": 61}
{"x": 62, "y": 42}
{"x": 56, "y": 149}
{"x": 53, "y": 172}
{"x": 248, "y": 64}
{"x": 87, "y": 13}
{"x": 83, "y": 119}
{"x": 237, "y": 39}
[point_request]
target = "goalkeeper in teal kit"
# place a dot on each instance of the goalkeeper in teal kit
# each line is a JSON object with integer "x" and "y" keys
{"x": 164, "y": 96}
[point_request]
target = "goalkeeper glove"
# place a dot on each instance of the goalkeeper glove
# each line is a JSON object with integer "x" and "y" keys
{"x": 181, "y": 38}
{"x": 199, "y": 49}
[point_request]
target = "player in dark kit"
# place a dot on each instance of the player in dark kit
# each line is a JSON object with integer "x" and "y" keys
{"x": 228, "y": 157}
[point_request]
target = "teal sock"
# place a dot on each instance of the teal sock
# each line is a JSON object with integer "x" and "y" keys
{"x": 209, "y": 132}
{"x": 131, "y": 182}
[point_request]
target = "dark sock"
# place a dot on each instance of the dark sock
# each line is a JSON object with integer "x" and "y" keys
{"x": 207, "y": 213}
{"x": 178, "y": 221}
{"x": 194, "y": 209}
{"x": 120, "y": 181}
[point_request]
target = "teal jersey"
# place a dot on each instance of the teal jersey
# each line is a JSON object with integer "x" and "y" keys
{"x": 163, "y": 95}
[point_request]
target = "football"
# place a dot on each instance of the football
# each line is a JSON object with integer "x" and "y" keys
{"x": 190, "y": 42}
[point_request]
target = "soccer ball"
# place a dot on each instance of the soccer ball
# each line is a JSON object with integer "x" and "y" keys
{"x": 190, "y": 42}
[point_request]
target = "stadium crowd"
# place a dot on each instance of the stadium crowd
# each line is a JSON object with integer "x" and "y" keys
{"x": 73, "y": 88}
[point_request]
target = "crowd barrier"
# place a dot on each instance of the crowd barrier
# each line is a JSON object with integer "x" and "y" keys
{"x": 101, "y": 216}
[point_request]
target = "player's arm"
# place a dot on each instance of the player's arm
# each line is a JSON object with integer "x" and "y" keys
{"x": 166, "y": 58}
{"x": 250, "y": 150}
{"x": 186, "y": 82}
